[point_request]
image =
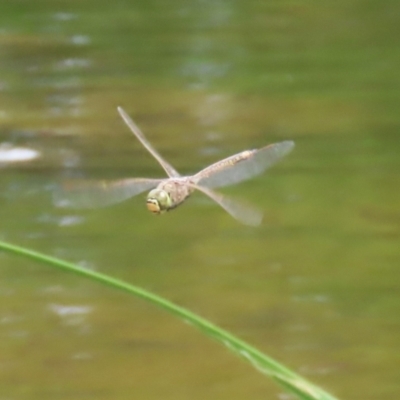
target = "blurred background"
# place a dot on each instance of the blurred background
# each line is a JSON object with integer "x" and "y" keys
{"x": 316, "y": 286}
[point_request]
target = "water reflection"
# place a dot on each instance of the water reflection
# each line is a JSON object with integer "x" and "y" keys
{"x": 10, "y": 154}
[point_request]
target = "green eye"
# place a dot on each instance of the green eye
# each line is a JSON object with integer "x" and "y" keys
{"x": 164, "y": 200}
{"x": 163, "y": 196}
{"x": 158, "y": 200}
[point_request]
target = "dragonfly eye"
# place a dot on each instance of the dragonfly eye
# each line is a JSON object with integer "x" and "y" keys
{"x": 158, "y": 200}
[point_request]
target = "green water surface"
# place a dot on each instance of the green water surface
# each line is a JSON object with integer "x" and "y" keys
{"x": 316, "y": 286}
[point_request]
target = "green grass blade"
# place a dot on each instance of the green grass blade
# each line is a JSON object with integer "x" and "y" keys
{"x": 292, "y": 382}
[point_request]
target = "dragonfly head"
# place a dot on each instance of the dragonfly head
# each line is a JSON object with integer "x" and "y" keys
{"x": 158, "y": 201}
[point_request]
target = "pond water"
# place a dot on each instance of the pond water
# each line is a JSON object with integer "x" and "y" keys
{"x": 316, "y": 286}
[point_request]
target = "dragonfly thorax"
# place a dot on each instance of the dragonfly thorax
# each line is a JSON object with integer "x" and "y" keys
{"x": 158, "y": 201}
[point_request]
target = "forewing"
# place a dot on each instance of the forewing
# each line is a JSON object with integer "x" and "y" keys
{"x": 242, "y": 166}
{"x": 93, "y": 194}
{"x": 169, "y": 169}
{"x": 244, "y": 213}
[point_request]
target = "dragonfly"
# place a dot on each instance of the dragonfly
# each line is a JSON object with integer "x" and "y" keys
{"x": 168, "y": 193}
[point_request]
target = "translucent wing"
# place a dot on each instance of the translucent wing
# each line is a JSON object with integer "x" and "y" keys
{"x": 242, "y": 166}
{"x": 169, "y": 169}
{"x": 93, "y": 194}
{"x": 244, "y": 213}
